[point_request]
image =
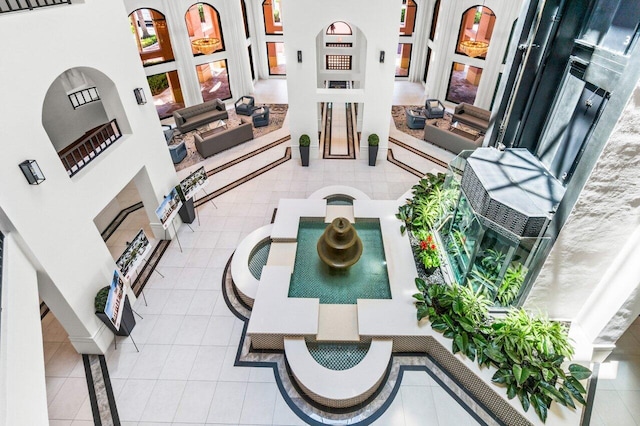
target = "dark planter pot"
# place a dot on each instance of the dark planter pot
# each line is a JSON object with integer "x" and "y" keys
{"x": 304, "y": 155}
{"x": 373, "y": 154}
{"x": 431, "y": 270}
{"x": 127, "y": 322}
{"x": 187, "y": 212}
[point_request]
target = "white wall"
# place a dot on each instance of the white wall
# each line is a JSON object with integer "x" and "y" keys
{"x": 55, "y": 218}
{"x": 303, "y": 20}
{"x": 23, "y": 395}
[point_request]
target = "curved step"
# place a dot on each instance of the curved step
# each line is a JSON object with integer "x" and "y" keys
{"x": 245, "y": 282}
{"x": 338, "y": 389}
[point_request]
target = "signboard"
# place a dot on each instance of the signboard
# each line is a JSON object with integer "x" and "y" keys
{"x": 133, "y": 255}
{"x": 169, "y": 208}
{"x": 115, "y": 300}
{"x": 194, "y": 183}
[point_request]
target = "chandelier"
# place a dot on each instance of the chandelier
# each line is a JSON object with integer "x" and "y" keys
{"x": 474, "y": 48}
{"x": 206, "y": 45}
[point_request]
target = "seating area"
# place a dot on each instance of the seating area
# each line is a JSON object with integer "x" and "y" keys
{"x": 472, "y": 116}
{"x": 178, "y": 151}
{"x": 453, "y": 139}
{"x": 192, "y": 117}
{"x": 245, "y": 105}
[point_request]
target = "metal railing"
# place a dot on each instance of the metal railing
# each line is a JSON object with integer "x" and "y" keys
{"x": 18, "y": 5}
{"x": 81, "y": 152}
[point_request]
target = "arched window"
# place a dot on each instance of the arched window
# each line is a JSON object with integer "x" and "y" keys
{"x": 152, "y": 36}
{"x": 476, "y": 29}
{"x": 205, "y": 31}
{"x": 272, "y": 13}
{"x": 339, "y": 28}
{"x": 408, "y": 17}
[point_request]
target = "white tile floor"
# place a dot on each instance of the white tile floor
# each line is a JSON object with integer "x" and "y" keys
{"x": 184, "y": 372}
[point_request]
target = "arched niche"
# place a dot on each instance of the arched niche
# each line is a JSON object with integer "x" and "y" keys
{"x": 341, "y": 54}
{"x": 149, "y": 28}
{"x": 63, "y": 123}
{"x": 205, "y": 31}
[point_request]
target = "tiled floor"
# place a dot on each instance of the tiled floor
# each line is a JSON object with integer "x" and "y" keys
{"x": 184, "y": 372}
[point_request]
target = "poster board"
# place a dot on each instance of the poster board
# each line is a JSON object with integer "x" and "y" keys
{"x": 115, "y": 300}
{"x": 169, "y": 208}
{"x": 194, "y": 183}
{"x": 133, "y": 255}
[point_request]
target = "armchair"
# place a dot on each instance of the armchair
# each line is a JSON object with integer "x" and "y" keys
{"x": 178, "y": 152}
{"x": 415, "y": 118}
{"x": 245, "y": 105}
{"x": 434, "y": 109}
{"x": 260, "y": 117}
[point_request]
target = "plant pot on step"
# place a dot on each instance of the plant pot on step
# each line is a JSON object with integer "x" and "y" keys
{"x": 373, "y": 148}
{"x": 305, "y": 141}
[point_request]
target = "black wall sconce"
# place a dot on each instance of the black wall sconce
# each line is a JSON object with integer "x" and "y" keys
{"x": 299, "y": 56}
{"x": 140, "y": 97}
{"x": 32, "y": 172}
{"x": 382, "y": 56}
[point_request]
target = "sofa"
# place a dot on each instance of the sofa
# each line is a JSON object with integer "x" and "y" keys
{"x": 195, "y": 116}
{"x": 449, "y": 140}
{"x": 415, "y": 118}
{"x": 214, "y": 141}
{"x": 472, "y": 116}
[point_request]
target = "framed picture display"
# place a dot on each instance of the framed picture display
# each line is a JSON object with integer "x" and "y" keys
{"x": 115, "y": 300}
{"x": 133, "y": 255}
{"x": 169, "y": 208}
{"x": 193, "y": 183}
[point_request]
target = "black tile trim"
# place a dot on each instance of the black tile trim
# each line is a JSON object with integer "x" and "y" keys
{"x": 109, "y": 390}
{"x": 326, "y": 152}
{"x": 150, "y": 265}
{"x": 403, "y": 166}
{"x": 418, "y": 152}
{"x": 591, "y": 395}
{"x": 245, "y": 179}
{"x": 248, "y": 155}
{"x": 92, "y": 391}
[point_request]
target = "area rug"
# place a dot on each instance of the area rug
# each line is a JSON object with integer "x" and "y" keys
{"x": 400, "y": 120}
{"x": 277, "y": 113}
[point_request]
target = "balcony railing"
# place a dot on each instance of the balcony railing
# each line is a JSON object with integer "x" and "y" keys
{"x": 94, "y": 142}
{"x": 18, "y": 5}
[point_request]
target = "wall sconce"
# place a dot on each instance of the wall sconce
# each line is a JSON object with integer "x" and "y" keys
{"x": 382, "y": 56}
{"x": 140, "y": 97}
{"x": 299, "y": 56}
{"x": 32, "y": 172}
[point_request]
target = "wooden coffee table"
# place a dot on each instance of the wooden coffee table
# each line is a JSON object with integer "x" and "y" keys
{"x": 469, "y": 134}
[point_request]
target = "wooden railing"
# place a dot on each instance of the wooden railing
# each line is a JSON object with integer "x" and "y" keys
{"x": 84, "y": 149}
{"x": 18, "y": 5}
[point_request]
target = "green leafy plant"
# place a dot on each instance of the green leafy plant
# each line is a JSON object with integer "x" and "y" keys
{"x": 373, "y": 139}
{"x": 511, "y": 283}
{"x": 527, "y": 351}
{"x": 101, "y": 299}
{"x": 304, "y": 140}
{"x": 158, "y": 83}
{"x": 148, "y": 41}
{"x": 426, "y": 206}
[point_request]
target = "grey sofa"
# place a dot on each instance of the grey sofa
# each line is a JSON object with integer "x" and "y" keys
{"x": 195, "y": 116}
{"x": 450, "y": 141}
{"x": 472, "y": 116}
{"x": 214, "y": 141}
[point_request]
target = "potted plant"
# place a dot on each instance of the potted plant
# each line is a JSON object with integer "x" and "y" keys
{"x": 305, "y": 141}
{"x": 373, "y": 148}
{"x": 427, "y": 252}
{"x": 127, "y": 322}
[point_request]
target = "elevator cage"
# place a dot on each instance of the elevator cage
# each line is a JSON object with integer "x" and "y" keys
{"x": 495, "y": 234}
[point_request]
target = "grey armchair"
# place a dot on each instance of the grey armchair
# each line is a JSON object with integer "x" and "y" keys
{"x": 178, "y": 152}
{"x": 260, "y": 117}
{"x": 245, "y": 105}
{"x": 434, "y": 109}
{"x": 415, "y": 118}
